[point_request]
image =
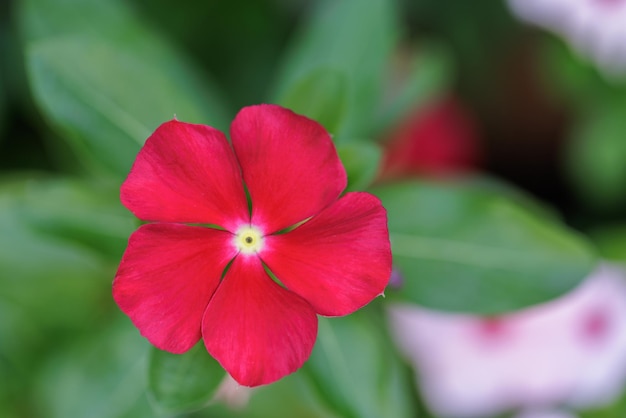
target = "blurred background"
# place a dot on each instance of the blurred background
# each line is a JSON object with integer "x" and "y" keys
{"x": 494, "y": 132}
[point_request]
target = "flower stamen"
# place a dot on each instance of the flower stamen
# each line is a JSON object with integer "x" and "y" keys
{"x": 248, "y": 240}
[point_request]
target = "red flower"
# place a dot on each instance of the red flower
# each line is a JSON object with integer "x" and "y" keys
{"x": 201, "y": 269}
{"x": 436, "y": 141}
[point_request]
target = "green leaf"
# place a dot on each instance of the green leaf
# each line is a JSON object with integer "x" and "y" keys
{"x": 83, "y": 212}
{"x": 361, "y": 161}
{"x": 614, "y": 409}
{"x": 58, "y": 240}
{"x": 355, "y": 369}
{"x": 517, "y": 196}
{"x": 21, "y": 340}
{"x": 291, "y": 396}
{"x": 59, "y": 281}
{"x": 572, "y": 75}
{"x": 106, "y": 81}
{"x": 597, "y": 155}
{"x": 350, "y": 39}
{"x": 462, "y": 247}
{"x": 41, "y": 19}
{"x": 99, "y": 376}
{"x": 320, "y": 95}
{"x": 429, "y": 75}
{"x": 611, "y": 241}
{"x": 183, "y": 382}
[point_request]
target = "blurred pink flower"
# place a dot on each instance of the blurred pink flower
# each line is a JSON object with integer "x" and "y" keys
{"x": 545, "y": 414}
{"x": 595, "y": 28}
{"x": 571, "y": 350}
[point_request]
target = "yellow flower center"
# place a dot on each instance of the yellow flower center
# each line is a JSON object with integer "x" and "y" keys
{"x": 248, "y": 240}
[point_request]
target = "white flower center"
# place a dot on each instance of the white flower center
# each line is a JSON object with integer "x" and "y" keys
{"x": 248, "y": 240}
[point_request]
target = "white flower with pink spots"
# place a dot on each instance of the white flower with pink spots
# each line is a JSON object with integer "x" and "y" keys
{"x": 570, "y": 351}
{"x": 594, "y": 28}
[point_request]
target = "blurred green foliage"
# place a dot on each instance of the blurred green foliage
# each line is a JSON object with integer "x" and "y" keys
{"x": 495, "y": 255}
{"x": 88, "y": 100}
{"x": 84, "y": 82}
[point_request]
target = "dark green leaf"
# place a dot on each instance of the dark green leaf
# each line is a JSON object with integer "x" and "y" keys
{"x": 362, "y": 161}
{"x": 356, "y": 371}
{"x": 183, "y": 382}
{"x": 106, "y": 82}
{"x": 354, "y": 40}
{"x": 463, "y": 247}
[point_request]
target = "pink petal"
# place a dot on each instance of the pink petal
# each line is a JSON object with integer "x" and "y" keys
{"x": 187, "y": 173}
{"x": 289, "y": 164}
{"x": 339, "y": 260}
{"x": 258, "y": 331}
{"x": 166, "y": 278}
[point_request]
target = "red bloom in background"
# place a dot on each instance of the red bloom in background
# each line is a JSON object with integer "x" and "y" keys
{"x": 438, "y": 140}
{"x": 179, "y": 281}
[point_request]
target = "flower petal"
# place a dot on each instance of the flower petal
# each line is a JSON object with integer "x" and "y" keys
{"x": 166, "y": 279}
{"x": 186, "y": 173}
{"x": 339, "y": 260}
{"x": 258, "y": 331}
{"x": 289, "y": 164}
